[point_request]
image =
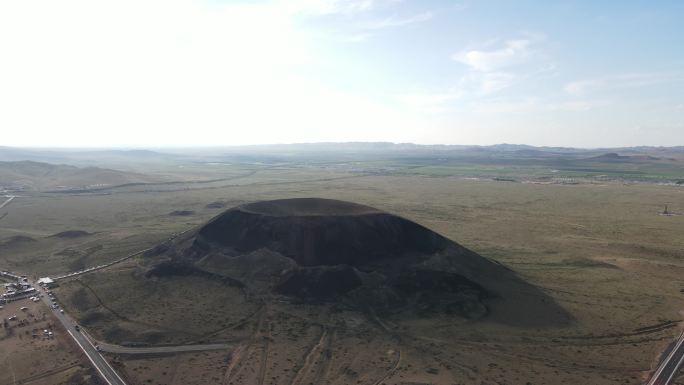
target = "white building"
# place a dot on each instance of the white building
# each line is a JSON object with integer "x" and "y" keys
{"x": 47, "y": 282}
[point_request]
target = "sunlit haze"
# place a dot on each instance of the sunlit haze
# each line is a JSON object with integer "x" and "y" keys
{"x": 186, "y": 73}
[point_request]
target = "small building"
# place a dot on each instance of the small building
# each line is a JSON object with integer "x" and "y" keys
{"x": 47, "y": 282}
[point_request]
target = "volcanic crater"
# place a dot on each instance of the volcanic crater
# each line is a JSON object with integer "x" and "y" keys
{"x": 315, "y": 232}
{"x": 323, "y": 250}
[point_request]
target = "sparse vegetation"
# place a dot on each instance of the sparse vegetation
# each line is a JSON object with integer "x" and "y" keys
{"x": 596, "y": 246}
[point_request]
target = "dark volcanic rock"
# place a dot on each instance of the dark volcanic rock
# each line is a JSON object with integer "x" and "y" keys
{"x": 184, "y": 269}
{"x": 317, "y": 232}
{"x": 328, "y": 250}
{"x": 320, "y": 282}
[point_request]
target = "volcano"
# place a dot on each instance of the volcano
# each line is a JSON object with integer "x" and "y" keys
{"x": 323, "y": 250}
{"x": 315, "y": 232}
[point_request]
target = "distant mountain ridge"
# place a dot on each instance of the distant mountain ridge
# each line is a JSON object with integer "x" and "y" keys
{"x": 31, "y": 175}
{"x": 127, "y": 159}
{"x": 83, "y": 157}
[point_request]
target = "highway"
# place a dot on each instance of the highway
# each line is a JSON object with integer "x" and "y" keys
{"x": 669, "y": 368}
{"x": 103, "y": 367}
{"x": 106, "y": 371}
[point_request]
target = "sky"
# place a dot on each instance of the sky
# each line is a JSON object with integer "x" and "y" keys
{"x": 217, "y": 72}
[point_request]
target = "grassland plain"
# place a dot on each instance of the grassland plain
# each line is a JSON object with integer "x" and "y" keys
{"x": 599, "y": 249}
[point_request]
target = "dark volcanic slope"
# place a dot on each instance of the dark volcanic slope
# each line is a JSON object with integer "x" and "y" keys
{"x": 307, "y": 207}
{"x": 328, "y": 250}
{"x": 317, "y": 232}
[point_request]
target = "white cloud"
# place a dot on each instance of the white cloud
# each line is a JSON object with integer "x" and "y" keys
{"x": 607, "y": 83}
{"x": 495, "y": 69}
{"x": 327, "y": 7}
{"x": 394, "y": 21}
{"x": 496, "y": 81}
{"x": 578, "y": 87}
{"x": 356, "y": 38}
{"x": 360, "y": 19}
{"x": 513, "y": 52}
{"x": 365, "y": 30}
{"x": 535, "y": 105}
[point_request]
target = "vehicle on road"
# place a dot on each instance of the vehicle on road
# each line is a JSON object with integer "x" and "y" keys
{"x": 78, "y": 328}
{"x": 24, "y": 308}
{"x": 61, "y": 311}
{"x": 12, "y": 318}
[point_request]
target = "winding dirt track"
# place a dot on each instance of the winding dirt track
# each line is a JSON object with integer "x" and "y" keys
{"x": 260, "y": 339}
{"x": 266, "y": 340}
{"x": 392, "y": 370}
{"x": 311, "y": 358}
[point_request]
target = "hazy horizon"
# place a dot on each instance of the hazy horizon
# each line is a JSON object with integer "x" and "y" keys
{"x": 218, "y": 146}
{"x": 199, "y": 146}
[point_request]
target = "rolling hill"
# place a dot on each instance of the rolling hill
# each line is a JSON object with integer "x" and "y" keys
{"x": 37, "y": 176}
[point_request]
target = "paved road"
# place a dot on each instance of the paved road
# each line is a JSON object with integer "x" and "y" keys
{"x": 9, "y": 199}
{"x": 114, "y": 262}
{"x": 118, "y": 349}
{"x": 162, "y": 349}
{"x": 101, "y": 365}
{"x": 670, "y": 367}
